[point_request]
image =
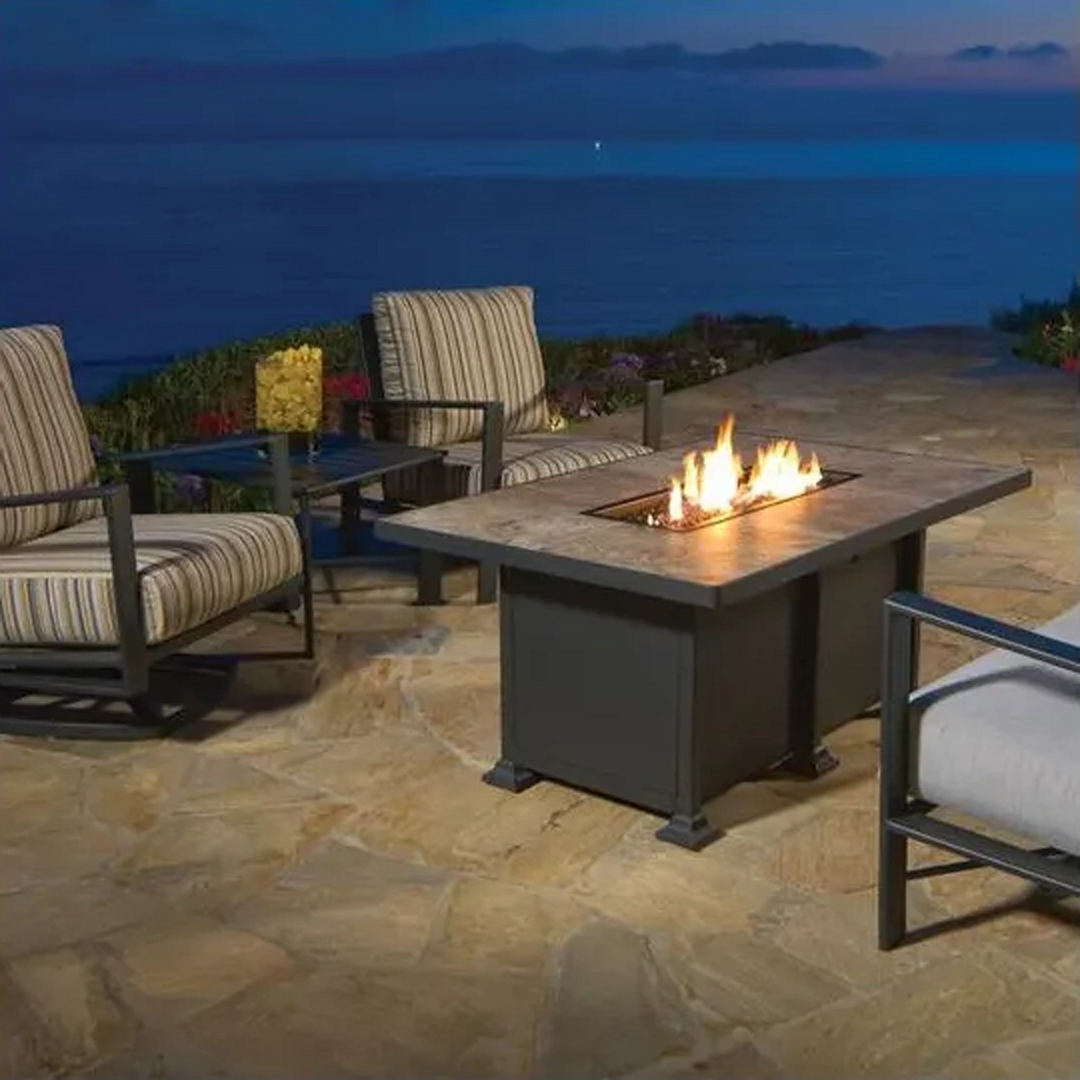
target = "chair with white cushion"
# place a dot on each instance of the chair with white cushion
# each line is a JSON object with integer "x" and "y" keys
{"x": 997, "y": 740}
{"x": 462, "y": 370}
{"x": 93, "y": 595}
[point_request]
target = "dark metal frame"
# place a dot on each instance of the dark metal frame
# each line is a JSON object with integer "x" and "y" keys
{"x": 492, "y": 437}
{"x": 904, "y": 818}
{"x": 348, "y": 484}
{"x": 83, "y": 670}
{"x": 660, "y": 712}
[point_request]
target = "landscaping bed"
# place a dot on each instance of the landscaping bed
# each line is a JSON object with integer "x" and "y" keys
{"x": 1049, "y": 330}
{"x": 212, "y": 393}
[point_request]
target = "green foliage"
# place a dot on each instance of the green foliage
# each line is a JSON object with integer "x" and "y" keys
{"x": 1034, "y": 313}
{"x": 213, "y": 391}
{"x": 160, "y": 409}
{"x": 1049, "y": 329}
{"x": 1055, "y": 342}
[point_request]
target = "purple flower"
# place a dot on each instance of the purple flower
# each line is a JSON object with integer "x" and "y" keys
{"x": 623, "y": 367}
{"x": 190, "y": 487}
{"x": 96, "y": 446}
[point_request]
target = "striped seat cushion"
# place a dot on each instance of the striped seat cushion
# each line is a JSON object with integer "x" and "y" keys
{"x": 463, "y": 345}
{"x": 44, "y": 444}
{"x": 524, "y": 460}
{"x": 58, "y": 589}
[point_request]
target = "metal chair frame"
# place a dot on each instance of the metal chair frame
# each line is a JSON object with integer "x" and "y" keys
{"x": 904, "y": 818}
{"x": 123, "y": 672}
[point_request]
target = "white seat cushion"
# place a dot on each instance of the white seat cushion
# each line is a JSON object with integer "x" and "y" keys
{"x": 999, "y": 738}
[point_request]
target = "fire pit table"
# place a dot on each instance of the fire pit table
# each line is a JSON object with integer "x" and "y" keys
{"x": 663, "y": 639}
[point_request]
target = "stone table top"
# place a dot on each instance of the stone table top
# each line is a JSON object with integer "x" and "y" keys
{"x": 544, "y": 526}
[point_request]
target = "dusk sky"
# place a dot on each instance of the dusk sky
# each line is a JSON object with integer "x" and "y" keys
{"x": 79, "y": 32}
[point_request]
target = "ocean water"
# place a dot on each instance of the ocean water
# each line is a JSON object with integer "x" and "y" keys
{"x": 146, "y": 227}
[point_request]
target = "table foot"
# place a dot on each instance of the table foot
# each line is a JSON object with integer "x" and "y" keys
{"x": 510, "y": 777}
{"x": 819, "y": 761}
{"x": 692, "y": 832}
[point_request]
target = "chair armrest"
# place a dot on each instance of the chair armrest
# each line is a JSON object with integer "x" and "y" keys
{"x": 494, "y": 424}
{"x": 914, "y": 608}
{"x": 163, "y": 453}
{"x": 104, "y": 492}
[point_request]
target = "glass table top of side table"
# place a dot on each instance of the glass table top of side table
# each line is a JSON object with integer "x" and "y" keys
{"x": 342, "y": 465}
{"x": 342, "y": 460}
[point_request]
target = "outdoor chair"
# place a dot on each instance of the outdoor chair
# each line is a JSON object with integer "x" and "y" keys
{"x": 461, "y": 370}
{"x": 95, "y": 588}
{"x": 997, "y": 740}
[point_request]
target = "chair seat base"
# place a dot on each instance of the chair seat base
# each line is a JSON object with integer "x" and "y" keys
{"x": 149, "y": 721}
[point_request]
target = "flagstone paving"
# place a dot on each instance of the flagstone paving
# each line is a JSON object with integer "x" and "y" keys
{"x": 313, "y": 881}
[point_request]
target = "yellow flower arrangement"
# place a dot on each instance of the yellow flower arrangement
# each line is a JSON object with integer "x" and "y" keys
{"x": 289, "y": 390}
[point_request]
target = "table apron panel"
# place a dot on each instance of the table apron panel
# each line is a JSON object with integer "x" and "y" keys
{"x": 593, "y": 684}
{"x": 666, "y": 705}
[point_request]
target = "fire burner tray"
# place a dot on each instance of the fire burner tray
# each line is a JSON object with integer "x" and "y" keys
{"x": 638, "y": 510}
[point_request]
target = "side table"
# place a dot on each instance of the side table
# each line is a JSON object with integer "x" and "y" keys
{"x": 343, "y": 465}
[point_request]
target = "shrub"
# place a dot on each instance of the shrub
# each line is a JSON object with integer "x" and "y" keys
{"x": 212, "y": 393}
{"x": 1049, "y": 329}
{"x": 209, "y": 393}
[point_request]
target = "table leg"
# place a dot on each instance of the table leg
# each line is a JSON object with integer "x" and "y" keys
{"x": 350, "y": 519}
{"x": 429, "y": 579}
{"x": 808, "y": 757}
{"x": 429, "y": 572}
{"x": 487, "y": 588}
{"x": 281, "y": 469}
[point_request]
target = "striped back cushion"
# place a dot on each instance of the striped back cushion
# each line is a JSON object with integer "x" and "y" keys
{"x": 44, "y": 443}
{"x": 464, "y": 345}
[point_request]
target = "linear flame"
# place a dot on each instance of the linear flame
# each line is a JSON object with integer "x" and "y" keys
{"x": 715, "y": 481}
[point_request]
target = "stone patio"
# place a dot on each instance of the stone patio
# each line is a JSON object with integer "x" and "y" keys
{"x": 312, "y": 881}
